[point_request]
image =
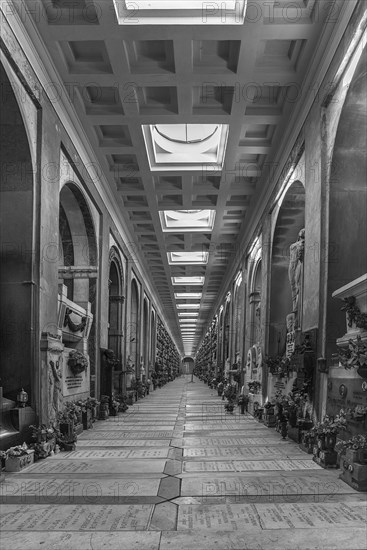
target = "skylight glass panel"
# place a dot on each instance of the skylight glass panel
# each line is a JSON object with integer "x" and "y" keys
{"x": 187, "y": 295}
{"x": 188, "y": 258}
{"x": 188, "y": 280}
{"x": 188, "y": 306}
{"x": 177, "y": 12}
{"x": 188, "y": 314}
{"x": 187, "y": 220}
{"x": 185, "y": 146}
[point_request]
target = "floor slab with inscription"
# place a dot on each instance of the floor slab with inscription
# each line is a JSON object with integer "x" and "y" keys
{"x": 175, "y": 472}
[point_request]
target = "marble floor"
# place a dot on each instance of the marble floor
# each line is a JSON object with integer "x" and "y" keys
{"x": 177, "y": 472}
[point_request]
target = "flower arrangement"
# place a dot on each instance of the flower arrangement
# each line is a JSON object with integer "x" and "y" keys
{"x": 278, "y": 365}
{"x": 355, "y": 355}
{"x": 77, "y": 362}
{"x": 329, "y": 425}
{"x": 18, "y": 450}
{"x": 42, "y": 432}
{"x": 354, "y": 314}
{"x": 254, "y": 386}
{"x": 70, "y": 413}
{"x": 357, "y": 442}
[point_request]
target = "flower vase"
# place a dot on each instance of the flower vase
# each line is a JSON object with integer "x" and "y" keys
{"x": 18, "y": 463}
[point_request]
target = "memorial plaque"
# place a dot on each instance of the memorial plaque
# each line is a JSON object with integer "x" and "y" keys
{"x": 77, "y": 490}
{"x": 124, "y": 443}
{"x": 312, "y": 515}
{"x": 226, "y": 517}
{"x": 93, "y": 453}
{"x": 269, "y": 486}
{"x": 275, "y": 451}
{"x": 98, "y": 434}
{"x": 75, "y": 518}
{"x": 133, "y": 427}
{"x": 73, "y": 385}
{"x": 116, "y": 466}
{"x": 337, "y": 399}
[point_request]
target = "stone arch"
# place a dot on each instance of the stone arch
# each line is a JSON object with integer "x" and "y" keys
{"x": 134, "y": 323}
{"x": 290, "y": 221}
{"x": 78, "y": 243}
{"x": 19, "y": 246}
{"x": 116, "y": 303}
{"x": 347, "y": 242}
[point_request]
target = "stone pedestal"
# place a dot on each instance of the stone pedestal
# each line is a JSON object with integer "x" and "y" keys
{"x": 52, "y": 360}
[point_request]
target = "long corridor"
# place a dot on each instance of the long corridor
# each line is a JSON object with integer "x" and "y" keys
{"x": 177, "y": 472}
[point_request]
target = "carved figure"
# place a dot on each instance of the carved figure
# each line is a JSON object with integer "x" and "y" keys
{"x": 296, "y": 251}
{"x": 55, "y": 390}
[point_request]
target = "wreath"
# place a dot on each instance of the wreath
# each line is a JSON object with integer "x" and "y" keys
{"x": 77, "y": 362}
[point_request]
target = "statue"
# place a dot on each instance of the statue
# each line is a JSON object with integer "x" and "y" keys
{"x": 55, "y": 396}
{"x": 296, "y": 253}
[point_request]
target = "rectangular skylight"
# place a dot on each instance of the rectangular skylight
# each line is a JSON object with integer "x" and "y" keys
{"x": 188, "y": 258}
{"x": 185, "y": 321}
{"x": 188, "y": 306}
{"x": 187, "y": 220}
{"x": 180, "y": 147}
{"x": 187, "y": 295}
{"x": 193, "y": 281}
{"x": 188, "y": 314}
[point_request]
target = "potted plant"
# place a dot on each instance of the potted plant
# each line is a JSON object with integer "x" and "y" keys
{"x": 114, "y": 405}
{"x": 104, "y": 409}
{"x": 325, "y": 435}
{"x": 353, "y": 462}
{"x": 355, "y": 356}
{"x": 254, "y": 386}
{"x": 44, "y": 439}
{"x": 18, "y": 458}
{"x": 77, "y": 362}
{"x": 278, "y": 365}
{"x": 68, "y": 420}
{"x": 230, "y": 394}
{"x": 92, "y": 404}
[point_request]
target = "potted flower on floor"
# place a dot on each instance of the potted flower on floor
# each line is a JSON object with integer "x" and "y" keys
{"x": 324, "y": 448}
{"x": 44, "y": 441}
{"x": 230, "y": 394}
{"x": 353, "y": 462}
{"x": 104, "y": 409}
{"x": 67, "y": 421}
{"x": 18, "y": 458}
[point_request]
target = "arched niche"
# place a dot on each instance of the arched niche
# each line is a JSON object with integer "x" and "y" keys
{"x": 255, "y": 304}
{"x": 116, "y": 303}
{"x": 145, "y": 343}
{"x": 226, "y": 331}
{"x": 347, "y": 258}
{"x": 133, "y": 333}
{"x": 78, "y": 244}
{"x": 220, "y": 339}
{"x": 18, "y": 279}
{"x": 152, "y": 340}
{"x": 290, "y": 221}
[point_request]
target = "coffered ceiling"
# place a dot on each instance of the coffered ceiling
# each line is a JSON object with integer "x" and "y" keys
{"x": 127, "y": 80}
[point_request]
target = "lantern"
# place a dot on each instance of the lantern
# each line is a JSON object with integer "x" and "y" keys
{"x": 22, "y": 398}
